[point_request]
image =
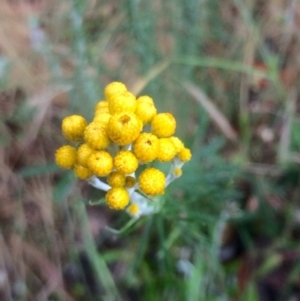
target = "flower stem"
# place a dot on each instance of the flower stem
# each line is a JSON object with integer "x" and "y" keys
{"x": 95, "y": 182}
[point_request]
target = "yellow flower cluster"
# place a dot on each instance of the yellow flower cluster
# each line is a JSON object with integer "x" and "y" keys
{"x": 116, "y": 142}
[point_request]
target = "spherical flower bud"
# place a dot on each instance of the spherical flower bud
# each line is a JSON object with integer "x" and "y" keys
{"x": 122, "y": 102}
{"x": 166, "y": 150}
{"x": 163, "y": 125}
{"x": 146, "y": 99}
{"x": 102, "y": 117}
{"x": 116, "y": 179}
{"x": 66, "y": 157}
{"x": 113, "y": 88}
{"x": 102, "y": 106}
{"x": 83, "y": 153}
{"x": 184, "y": 155}
{"x": 178, "y": 143}
{"x": 117, "y": 198}
{"x": 145, "y": 111}
{"x": 73, "y": 127}
{"x": 95, "y": 135}
{"x": 126, "y": 162}
{"x": 102, "y": 110}
{"x": 177, "y": 172}
{"x": 152, "y": 181}
{"x": 133, "y": 209}
{"x": 129, "y": 181}
{"x": 124, "y": 128}
{"x": 145, "y": 147}
{"x": 100, "y": 163}
{"x": 82, "y": 172}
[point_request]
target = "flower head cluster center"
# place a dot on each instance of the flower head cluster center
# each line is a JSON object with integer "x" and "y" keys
{"x": 125, "y": 134}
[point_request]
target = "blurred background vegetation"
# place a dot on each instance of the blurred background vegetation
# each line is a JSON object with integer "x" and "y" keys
{"x": 228, "y": 71}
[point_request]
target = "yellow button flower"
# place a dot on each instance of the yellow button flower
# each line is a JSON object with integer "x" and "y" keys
{"x": 177, "y": 171}
{"x": 95, "y": 135}
{"x": 185, "y": 155}
{"x": 101, "y": 106}
{"x": 100, "y": 163}
{"x": 73, "y": 127}
{"x": 113, "y": 88}
{"x": 133, "y": 209}
{"x": 146, "y": 99}
{"x": 102, "y": 117}
{"x": 124, "y": 128}
{"x": 113, "y": 146}
{"x": 163, "y": 125}
{"x": 122, "y": 102}
{"x": 117, "y": 198}
{"x": 126, "y": 162}
{"x": 116, "y": 179}
{"x": 178, "y": 143}
{"x": 82, "y": 172}
{"x": 166, "y": 150}
{"x": 83, "y": 153}
{"x": 66, "y": 157}
{"x": 145, "y": 111}
{"x": 145, "y": 147}
{"x": 152, "y": 181}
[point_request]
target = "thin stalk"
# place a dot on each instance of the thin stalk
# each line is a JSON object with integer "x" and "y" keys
{"x": 100, "y": 268}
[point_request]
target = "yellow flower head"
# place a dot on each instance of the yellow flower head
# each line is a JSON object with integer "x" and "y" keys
{"x": 163, "y": 125}
{"x": 117, "y": 198}
{"x": 113, "y": 88}
{"x": 73, "y": 127}
{"x": 185, "y": 155}
{"x": 66, "y": 157}
{"x": 152, "y": 181}
{"x": 146, "y": 147}
{"x": 100, "y": 163}
{"x": 83, "y": 153}
{"x": 177, "y": 171}
{"x": 122, "y": 102}
{"x": 102, "y": 117}
{"x": 113, "y": 145}
{"x": 102, "y": 106}
{"x": 133, "y": 209}
{"x": 95, "y": 135}
{"x": 166, "y": 150}
{"x": 124, "y": 128}
{"x": 126, "y": 162}
{"x": 145, "y": 111}
{"x": 146, "y": 99}
{"x": 82, "y": 172}
{"x": 178, "y": 143}
{"x": 116, "y": 179}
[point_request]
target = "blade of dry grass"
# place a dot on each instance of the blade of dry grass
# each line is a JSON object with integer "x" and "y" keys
{"x": 142, "y": 82}
{"x": 47, "y": 270}
{"x": 214, "y": 113}
{"x": 41, "y": 102}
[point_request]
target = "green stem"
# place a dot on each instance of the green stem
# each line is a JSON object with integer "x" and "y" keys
{"x": 124, "y": 228}
{"x": 100, "y": 268}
